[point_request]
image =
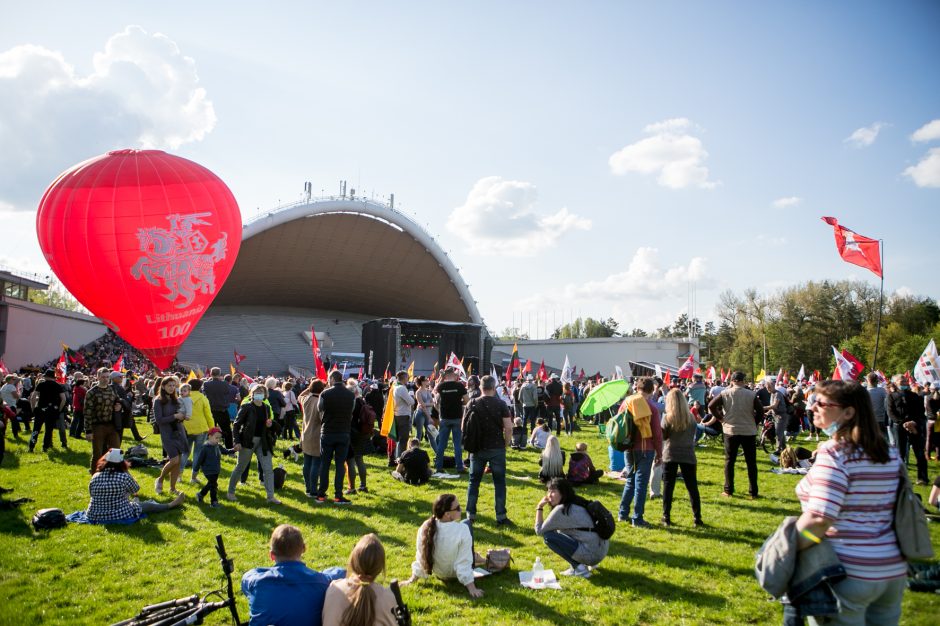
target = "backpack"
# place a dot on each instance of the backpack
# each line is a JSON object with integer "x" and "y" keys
{"x": 621, "y": 431}
{"x": 138, "y": 451}
{"x": 47, "y": 519}
{"x": 366, "y": 419}
{"x": 280, "y": 475}
{"x": 910, "y": 521}
{"x": 579, "y": 470}
{"x": 472, "y": 428}
{"x": 604, "y": 524}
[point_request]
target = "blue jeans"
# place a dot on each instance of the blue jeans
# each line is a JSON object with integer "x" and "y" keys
{"x": 701, "y": 431}
{"x": 638, "y": 464}
{"x": 443, "y": 437}
{"x": 562, "y": 545}
{"x": 496, "y": 457}
{"x": 420, "y": 419}
{"x": 529, "y": 415}
{"x": 333, "y": 445}
{"x": 311, "y": 473}
{"x": 867, "y": 602}
{"x": 196, "y": 442}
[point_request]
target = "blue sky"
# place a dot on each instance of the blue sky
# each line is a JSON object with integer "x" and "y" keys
{"x": 632, "y": 145}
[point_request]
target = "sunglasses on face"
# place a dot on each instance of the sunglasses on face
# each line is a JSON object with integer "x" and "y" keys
{"x": 825, "y": 405}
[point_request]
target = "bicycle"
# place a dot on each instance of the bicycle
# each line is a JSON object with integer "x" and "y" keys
{"x": 192, "y": 609}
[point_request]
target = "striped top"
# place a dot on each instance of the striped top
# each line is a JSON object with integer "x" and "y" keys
{"x": 859, "y": 496}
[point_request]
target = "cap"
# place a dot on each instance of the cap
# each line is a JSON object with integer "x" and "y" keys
{"x": 529, "y": 377}
{"x": 116, "y": 375}
{"x": 114, "y": 455}
{"x": 214, "y": 430}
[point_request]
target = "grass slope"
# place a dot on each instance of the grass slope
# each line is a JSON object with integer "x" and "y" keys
{"x": 87, "y": 574}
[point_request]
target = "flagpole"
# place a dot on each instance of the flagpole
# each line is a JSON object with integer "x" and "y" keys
{"x": 881, "y": 305}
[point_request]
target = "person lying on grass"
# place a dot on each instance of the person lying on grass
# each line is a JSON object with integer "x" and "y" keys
{"x": 289, "y": 593}
{"x": 565, "y": 529}
{"x": 445, "y": 546}
{"x": 111, "y": 489}
{"x": 358, "y": 600}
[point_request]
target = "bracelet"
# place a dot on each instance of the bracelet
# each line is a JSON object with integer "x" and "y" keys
{"x": 808, "y": 535}
{"x": 539, "y": 508}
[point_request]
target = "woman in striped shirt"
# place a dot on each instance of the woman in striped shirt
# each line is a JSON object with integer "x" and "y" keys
{"x": 848, "y": 498}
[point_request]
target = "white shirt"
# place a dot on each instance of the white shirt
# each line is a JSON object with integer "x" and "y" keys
{"x": 6, "y": 392}
{"x": 404, "y": 401}
{"x": 453, "y": 552}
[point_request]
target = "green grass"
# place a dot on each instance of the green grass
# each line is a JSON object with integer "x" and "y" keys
{"x": 87, "y": 574}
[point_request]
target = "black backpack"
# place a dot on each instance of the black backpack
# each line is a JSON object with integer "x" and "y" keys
{"x": 472, "y": 428}
{"x": 47, "y": 519}
{"x": 280, "y": 475}
{"x": 604, "y": 524}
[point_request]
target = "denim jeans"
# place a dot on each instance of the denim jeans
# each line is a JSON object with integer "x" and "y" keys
{"x": 496, "y": 457}
{"x": 529, "y": 415}
{"x": 333, "y": 445}
{"x": 562, "y": 545}
{"x": 311, "y": 473}
{"x": 867, "y": 602}
{"x": 638, "y": 465}
{"x": 420, "y": 419}
{"x": 196, "y": 442}
{"x": 447, "y": 428}
{"x": 701, "y": 431}
{"x": 554, "y": 413}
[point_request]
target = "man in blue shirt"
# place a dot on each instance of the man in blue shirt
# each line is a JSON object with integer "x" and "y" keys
{"x": 289, "y": 593}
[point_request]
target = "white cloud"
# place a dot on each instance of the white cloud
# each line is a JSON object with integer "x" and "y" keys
{"x": 671, "y": 151}
{"x": 499, "y": 216}
{"x": 927, "y": 172}
{"x": 781, "y": 203}
{"x": 927, "y": 132}
{"x": 142, "y": 92}
{"x": 903, "y": 292}
{"x": 865, "y": 136}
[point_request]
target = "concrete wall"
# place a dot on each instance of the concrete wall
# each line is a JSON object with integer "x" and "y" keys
{"x": 601, "y": 355}
{"x": 35, "y": 333}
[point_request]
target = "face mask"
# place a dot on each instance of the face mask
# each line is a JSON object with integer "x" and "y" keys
{"x": 831, "y": 429}
{"x": 258, "y": 397}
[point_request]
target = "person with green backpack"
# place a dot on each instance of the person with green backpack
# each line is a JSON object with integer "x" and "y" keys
{"x": 644, "y": 447}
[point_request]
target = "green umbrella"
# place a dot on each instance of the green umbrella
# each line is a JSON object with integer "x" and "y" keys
{"x": 605, "y": 396}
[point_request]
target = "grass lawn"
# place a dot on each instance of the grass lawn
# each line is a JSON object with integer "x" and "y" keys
{"x": 86, "y": 574}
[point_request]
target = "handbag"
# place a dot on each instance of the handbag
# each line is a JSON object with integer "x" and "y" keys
{"x": 910, "y": 521}
{"x": 497, "y": 560}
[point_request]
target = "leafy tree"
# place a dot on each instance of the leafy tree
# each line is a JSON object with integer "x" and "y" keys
{"x": 511, "y": 334}
{"x": 587, "y": 328}
{"x": 56, "y": 296}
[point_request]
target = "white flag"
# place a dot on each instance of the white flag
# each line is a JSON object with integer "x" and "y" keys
{"x": 628, "y": 373}
{"x": 843, "y": 369}
{"x": 711, "y": 373}
{"x": 659, "y": 372}
{"x": 455, "y": 363}
{"x": 566, "y": 371}
{"x": 619, "y": 371}
{"x": 927, "y": 369}
{"x": 801, "y": 375}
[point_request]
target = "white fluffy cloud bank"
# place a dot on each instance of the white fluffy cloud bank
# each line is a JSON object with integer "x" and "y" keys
{"x": 671, "y": 151}
{"x": 142, "y": 93}
{"x": 500, "y": 216}
{"x": 927, "y": 171}
{"x": 928, "y": 132}
{"x": 865, "y": 136}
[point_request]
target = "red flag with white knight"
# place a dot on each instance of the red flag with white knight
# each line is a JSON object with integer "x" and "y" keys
{"x": 542, "y": 375}
{"x": 240, "y": 357}
{"x": 856, "y": 249}
{"x": 60, "y": 370}
{"x": 857, "y": 366}
{"x": 687, "y": 368}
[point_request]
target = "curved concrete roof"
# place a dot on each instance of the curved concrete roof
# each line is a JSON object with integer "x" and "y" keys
{"x": 347, "y": 255}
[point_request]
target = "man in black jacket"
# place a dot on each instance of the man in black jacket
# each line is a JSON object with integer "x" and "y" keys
{"x": 336, "y": 406}
{"x": 495, "y": 433}
{"x": 908, "y": 421}
{"x": 123, "y": 417}
{"x": 219, "y": 394}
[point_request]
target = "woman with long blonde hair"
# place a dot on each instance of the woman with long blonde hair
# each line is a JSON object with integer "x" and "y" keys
{"x": 552, "y": 460}
{"x": 358, "y": 600}
{"x": 679, "y": 452}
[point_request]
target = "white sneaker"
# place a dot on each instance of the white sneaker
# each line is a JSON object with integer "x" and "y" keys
{"x": 158, "y": 486}
{"x": 582, "y": 571}
{"x": 568, "y": 572}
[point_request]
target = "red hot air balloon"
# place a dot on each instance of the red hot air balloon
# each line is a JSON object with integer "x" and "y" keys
{"x": 144, "y": 240}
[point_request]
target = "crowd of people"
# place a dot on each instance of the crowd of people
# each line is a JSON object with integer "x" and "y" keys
{"x": 865, "y": 433}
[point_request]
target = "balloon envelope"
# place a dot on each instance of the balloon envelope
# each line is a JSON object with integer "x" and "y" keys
{"x": 144, "y": 240}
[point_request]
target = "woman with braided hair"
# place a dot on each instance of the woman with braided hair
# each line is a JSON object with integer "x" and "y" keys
{"x": 445, "y": 546}
{"x": 358, "y": 600}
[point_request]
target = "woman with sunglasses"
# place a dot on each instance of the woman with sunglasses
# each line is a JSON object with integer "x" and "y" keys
{"x": 848, "y": 499}
{"x": 445, "y": 546}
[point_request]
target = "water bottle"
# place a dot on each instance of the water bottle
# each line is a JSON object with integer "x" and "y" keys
{"x": 538, "y": 571}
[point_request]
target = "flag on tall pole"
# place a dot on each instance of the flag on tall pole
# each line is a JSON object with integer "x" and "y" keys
{"x": 61, "y": 369}
{"x": 712, "y": 375}
{"x": 856, "y": 249}
{"x": 542, "y": 374}
{"x": 241, "y": 357}
{"x": 528, "y": 367}
{"x": 618, "y": 372}
{"x": 411, "y": 370}
{"x": 927, "y": 369}
{"x": 231, "y": 368}
{"x": 844, "y": 368}
{"x": 667, "y": 379}
{"x": 388, "y": 415}
{"x": 802, "y": 374}
{"x": 317, "y": 361}
{"x": 760, "y": 377}
{"x": 687, "y": 368}
{"x": 513, "y": 362}
{"x": 857, "y": 366}
{"x": 454, "y": 363}
{"x": 566, "y": 371}
{"x": 119, "y": 364}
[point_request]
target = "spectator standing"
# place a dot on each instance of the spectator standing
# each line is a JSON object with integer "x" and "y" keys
{"x": 100, "y": 429}
{"x": 451, "y": 397}
{"x": 290, "y": 412}
{"x": 198, "y": 427}
{"x": 404, "y": 404}
{"x": 124, "y": 417}
{"x": 48, "y": 402}
{"x": 253, "y": 432}
{"x": 679, "y": 453}
{"x": 909, "y": 422}
{"x": 219, "y": 393}
{"x": 168, "y": 413}
{"x": 77, "y": 428}
{"x": 10, "y": 393}
{"x": 209, "y": 460}
{"x": 424, "y": 399}
{"x": 358, "y": 443}
{"x": 495, "y": 426}
{"x": 739, "y": 410}
{"x": 310, "y": 435}
{"x": 529, "y": 398}
{"x": 336, "y": 407}
{"x": 879, "y": 401}
{"x": 647, "y": 449}
{"x": 554, "y": 391}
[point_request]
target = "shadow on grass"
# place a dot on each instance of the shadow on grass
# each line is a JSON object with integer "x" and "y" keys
{"x": 657, "y": 587}
{"x": 679, "y": 562}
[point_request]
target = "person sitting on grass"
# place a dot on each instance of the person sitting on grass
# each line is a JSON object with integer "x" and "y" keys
{"x": 414, "y": 466}
{"x": 552, "y": 460}
{"x": 210, "y": 461}
{"x": 540, "y": 435}
{"x": 581, "y": 470}
{"x": 518, "y": 434}
{"x": 289, "y": 593}
{"x": 111, "y": 489}
{"x": 445, "y": 546}
{"x": 565, "y": 529}
{"x": 358, "y": 600}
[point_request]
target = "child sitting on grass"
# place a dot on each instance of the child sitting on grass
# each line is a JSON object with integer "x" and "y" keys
{"x": 210, "y": 462}
{"x": 581, "y": 470}
{"x": 518, "y": 435}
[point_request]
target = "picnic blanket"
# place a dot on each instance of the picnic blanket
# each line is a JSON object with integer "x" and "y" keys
{"x": 80, "y": 517}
